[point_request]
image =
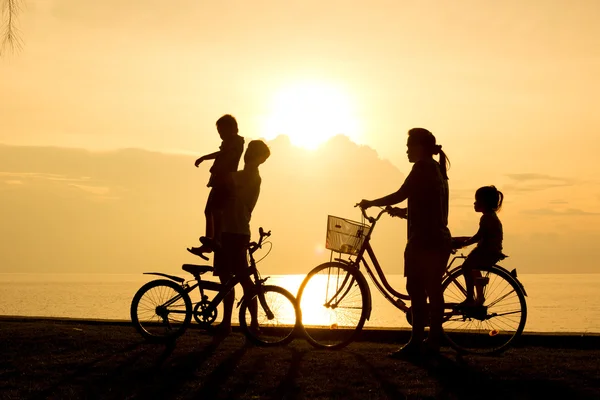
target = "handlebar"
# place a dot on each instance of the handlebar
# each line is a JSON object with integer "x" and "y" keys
{"x": 253, "y": 246}
{"x": 372, "y": 219}
{"x": 387, "y": 209}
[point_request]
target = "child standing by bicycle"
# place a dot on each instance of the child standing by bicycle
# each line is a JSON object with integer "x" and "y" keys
{"x": 226, "y": 161}
{"x": 488, "y": 201}
{"x": 231, "y": 252}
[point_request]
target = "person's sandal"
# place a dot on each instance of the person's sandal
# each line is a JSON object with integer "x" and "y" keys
{"x": 210, "y": 243}
{"x": 407, "y": 352}
{"x": 197, "y": 251}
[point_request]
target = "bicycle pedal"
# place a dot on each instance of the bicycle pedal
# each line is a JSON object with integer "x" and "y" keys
{"x": 399, "y": 302}
{"x": 482, "y": 281}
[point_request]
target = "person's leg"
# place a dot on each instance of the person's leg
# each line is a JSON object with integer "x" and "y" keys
{"x": 241, "y": 269}
{"x": 480, "y": 282}
{"x": 469, "y": 274}
{"x": 225, "y": 326}
{"x": 221, "y": 197}
{"x": 222, "y": 268}
{"x": 433, "y": 285}
{"x": 209, "y": 213}
{"x": 418, "y": 302}
{"x": 253, "y": 307}
{"x": 415, "y": 285}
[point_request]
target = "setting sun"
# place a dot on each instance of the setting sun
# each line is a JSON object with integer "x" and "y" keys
{"x": 311, "y": 113}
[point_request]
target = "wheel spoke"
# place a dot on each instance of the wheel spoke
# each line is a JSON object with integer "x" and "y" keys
{"x": 332, "y": 299}
{"x": 161, "y": 309}
{"x": 270, "y": 331}
{"x": 488, "y": 328}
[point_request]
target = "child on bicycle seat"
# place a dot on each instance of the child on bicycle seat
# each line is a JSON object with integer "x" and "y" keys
{"x": 226, "y": 162}
{"x": 488, "y": 200}
{"x": 231, "y": 256}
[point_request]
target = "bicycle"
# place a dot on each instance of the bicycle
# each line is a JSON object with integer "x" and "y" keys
{"x": 337, "y": 292}
{"x": 161, "y": 310}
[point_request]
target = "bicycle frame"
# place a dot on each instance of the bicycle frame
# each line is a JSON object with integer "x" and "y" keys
{"x": 221, "y": 289}
{"x": 397, "y": 299}
{"x": 494, "y": 291}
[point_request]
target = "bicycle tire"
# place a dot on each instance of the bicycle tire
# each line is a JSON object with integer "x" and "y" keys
{"x": 279, "y": 330}
{"x": 145, "y": 310}
{"x": 327, "y": 327}
{"x": 492, "y": 327}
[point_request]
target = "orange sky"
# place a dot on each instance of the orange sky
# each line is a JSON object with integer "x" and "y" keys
{"x": 510, "y": 88}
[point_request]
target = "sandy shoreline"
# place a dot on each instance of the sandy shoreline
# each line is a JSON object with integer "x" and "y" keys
{"x": 583, "y": 340}
{"x": 71, "y": 359}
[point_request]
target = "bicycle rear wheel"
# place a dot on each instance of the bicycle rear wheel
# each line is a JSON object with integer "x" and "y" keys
{"x": 275, "y": 329}
{"x": 335, "y": 302}
{"x": 161, "y": 310}
{"x": 492, "y": 325}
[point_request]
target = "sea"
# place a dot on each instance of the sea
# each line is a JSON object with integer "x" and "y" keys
{"x": 555, "y": 302}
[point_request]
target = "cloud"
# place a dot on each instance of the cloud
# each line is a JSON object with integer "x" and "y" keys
{"x": 97, "y": 190}
{"x": 563, "y": 213}
{"x": 557, "y": 201}
{"x": 37, "y": 180}
{"x": 529, "y": 182}
{"x": 135, "y": 209}
{"x": 42, "y": 176}
{"x": 534, "y": 177}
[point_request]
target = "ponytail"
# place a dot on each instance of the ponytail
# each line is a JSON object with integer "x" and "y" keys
{"x": 444, "y": 161}
{"x": 500, "y": 200}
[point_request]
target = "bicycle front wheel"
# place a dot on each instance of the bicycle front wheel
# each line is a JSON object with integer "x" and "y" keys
{"x": 335, "y": 302}
{"x": 161, "y": 310}
{"x": 277, "y": 316}
{"x": 496, "y": 319}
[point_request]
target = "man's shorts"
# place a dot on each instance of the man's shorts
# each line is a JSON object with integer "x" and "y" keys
{"x": 232, "y": 258}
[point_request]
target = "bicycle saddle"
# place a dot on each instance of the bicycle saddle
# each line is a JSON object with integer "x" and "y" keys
{"x": 196, "y": 269}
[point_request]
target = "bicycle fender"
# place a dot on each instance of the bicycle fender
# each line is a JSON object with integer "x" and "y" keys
{"x": 370, "y": 306}
{"x": 341, "y": 260}
{"x": 513, "y": 274}
{"x": 171, "y": 277}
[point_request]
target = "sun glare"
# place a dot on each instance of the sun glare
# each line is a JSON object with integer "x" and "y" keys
{"x": 311, "y": 113}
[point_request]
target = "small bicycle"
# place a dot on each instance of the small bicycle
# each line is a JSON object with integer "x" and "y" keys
{"x": 162, "y": 310}
{"x": 336, "y": 297}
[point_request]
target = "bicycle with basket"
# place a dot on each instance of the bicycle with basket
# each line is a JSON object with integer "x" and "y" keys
{"x": 337, "y": 297}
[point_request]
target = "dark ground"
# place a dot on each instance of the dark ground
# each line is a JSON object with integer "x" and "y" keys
{"x": 57, "y": 359}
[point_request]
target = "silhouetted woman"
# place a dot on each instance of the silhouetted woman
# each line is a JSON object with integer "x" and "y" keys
{"x": 429, "y": 240}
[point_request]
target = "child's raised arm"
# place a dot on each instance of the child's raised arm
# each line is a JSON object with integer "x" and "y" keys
{"x": 210, "y": 156}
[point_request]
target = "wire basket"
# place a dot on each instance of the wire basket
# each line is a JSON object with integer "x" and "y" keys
{"x": 345, "y": 236}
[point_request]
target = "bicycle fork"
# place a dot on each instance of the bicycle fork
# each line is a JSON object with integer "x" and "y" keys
{"x": 261, "y": 298}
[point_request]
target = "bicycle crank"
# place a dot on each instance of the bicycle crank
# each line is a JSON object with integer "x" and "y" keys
{"x": 203, "y": 318}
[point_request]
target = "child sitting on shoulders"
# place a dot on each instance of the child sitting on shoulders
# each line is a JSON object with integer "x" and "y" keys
{"x": 226, "y": 162}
